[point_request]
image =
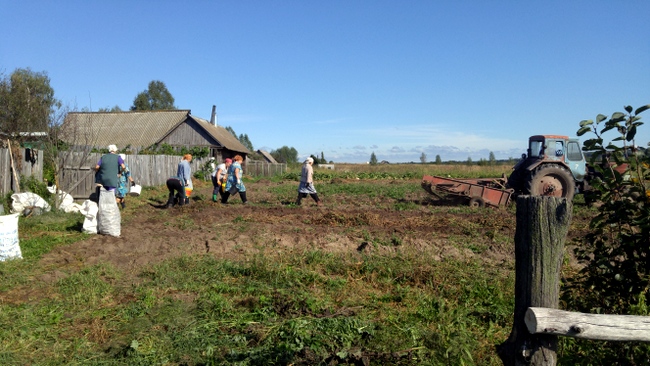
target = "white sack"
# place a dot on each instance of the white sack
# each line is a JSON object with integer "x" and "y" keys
{"x": 22, "y": 201}
{"x": 109, "y": 220}
{"x": 9, "y": 243}
{"x": 66, "y": 202}
{"x": 89, "y": 209}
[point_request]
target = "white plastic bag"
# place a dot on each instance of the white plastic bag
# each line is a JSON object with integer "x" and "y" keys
{"x": 9, "y": 243}
{"x": 65, "y": 200}
{"x": 108, "y": 216}
{"x": 28, "y": 200}
{"x": 89, "y": 209}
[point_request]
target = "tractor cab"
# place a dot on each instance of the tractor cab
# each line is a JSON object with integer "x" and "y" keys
{"x": 557, "y": 149}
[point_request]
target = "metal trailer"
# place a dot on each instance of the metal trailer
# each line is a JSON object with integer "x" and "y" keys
{"x": 478, "y": 192}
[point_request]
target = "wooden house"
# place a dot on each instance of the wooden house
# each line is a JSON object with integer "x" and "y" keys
{"x": 138, "y": 130}
{"x": 267, "y": 156}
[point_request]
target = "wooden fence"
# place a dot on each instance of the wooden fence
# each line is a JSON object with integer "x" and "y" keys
{"x": 542, "y": 225}
{"x": 78, "y": 178}
{"x": 263, "y": 169}
{"x": 27, "y": 163}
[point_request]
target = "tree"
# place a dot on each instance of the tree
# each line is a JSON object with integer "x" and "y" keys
{"x": 614, "y": 257}
{"x": 373, "y": 158}
{"x": 423, "y": 158}
{"x": 492, "y": 160}
{"x": 26, "y": 103}
{"x": 243, "y": 138}
{"x": 285, "y": 154}
{"x": 115, "y": 108}
{"x": 156, "y": 97}
{"x": 469, "y": 160}
{"x": 230, "y": 129}
{"x": 438, "y": 159}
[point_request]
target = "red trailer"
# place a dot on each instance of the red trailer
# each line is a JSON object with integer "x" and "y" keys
{"x": 478, "y": 192}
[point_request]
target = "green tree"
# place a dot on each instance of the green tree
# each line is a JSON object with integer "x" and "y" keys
{"x": 230, "y": 129}
{"x": 615, "y": 273}
{"x": 423, "y": 158}
{"x": 492, "y": 160}
{"x": 243, "y": 138}
{"x": 285, "y": 154}
{"x": 27, "y": 102}
{"x": 373, "y": 158}
{"x": 469, "y": 160}
{"x": 438, "y": 159}
{"x": 115, "y": 108}
{"x": 156, "y": 97}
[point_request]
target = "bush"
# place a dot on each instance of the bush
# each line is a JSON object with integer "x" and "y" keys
{"x": 615, "y": 252}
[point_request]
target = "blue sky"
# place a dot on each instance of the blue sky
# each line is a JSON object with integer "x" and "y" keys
{"x": 348, "y": 78}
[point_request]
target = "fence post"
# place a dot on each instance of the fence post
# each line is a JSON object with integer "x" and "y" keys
{"x": 542, "y": 226}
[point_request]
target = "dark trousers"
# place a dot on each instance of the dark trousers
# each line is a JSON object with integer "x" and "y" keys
{"x": 175, "y": 185}
{"x": 225, "y": 195}
{"x": 314, "y": 196}
{"x": 216, "y": 188}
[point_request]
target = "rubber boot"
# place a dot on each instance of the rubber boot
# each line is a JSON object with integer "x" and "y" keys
{"x": 214, "y": 198}
{"x": 242, "y": 195}
{"x": 298, "y": 200}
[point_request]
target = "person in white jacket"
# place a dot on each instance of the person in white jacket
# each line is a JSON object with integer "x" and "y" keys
{"x": 306, "y": 186}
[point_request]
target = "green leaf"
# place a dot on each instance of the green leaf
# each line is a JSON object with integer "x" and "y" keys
{"x": 583, "y": 130}
{"x": 631, "y": 133}
{"x": 642, "y": 109}
{"x": 607, "y": 128}
{"x": 586, "y": 122}
{"x": 628, "y": 108}
{"x": 600, "y": 118}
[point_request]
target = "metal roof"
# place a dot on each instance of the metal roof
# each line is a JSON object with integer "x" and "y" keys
{"x": 140, "y": 128}
{"x": 223, "y": 136}
{"x": 137, "y": 129}
{"x": 267, "y": 156}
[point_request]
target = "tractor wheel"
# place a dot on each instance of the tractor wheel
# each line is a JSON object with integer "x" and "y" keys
{"x": 551, "y": 180}
{"x": 476, "y": 202}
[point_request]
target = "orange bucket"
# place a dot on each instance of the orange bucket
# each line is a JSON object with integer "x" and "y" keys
{"x": 188, "y": 192}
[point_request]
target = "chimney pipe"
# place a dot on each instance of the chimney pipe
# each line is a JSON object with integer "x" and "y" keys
{"x": 213, "y": 118}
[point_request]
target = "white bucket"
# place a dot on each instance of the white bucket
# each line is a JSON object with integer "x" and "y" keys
{"x": 135, "y": 190}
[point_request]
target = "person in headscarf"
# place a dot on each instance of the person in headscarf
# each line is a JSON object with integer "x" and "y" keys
{"x": 306, "y": 186}
{"x": 234, "y": 183}
{"x": 124, "y": 177}
{"x": 107, "y": 168}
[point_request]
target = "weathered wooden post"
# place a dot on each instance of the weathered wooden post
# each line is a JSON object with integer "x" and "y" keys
{"x": 542, "y": 225}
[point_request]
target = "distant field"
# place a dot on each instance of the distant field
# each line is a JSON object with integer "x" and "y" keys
{"x": 454, "y": 170}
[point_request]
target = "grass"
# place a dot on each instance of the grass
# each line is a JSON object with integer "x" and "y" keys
{"x": 263, "y": 311}
{"x": 309, "y": 307}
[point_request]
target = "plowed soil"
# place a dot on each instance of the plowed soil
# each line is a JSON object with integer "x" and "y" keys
{"x": 272, "y": 225}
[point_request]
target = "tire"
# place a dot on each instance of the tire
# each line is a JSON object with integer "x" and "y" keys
{"x": 476, "y": 202}
{"x": 551, "y": 180}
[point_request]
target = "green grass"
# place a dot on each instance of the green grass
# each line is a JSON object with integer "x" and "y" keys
{"x": 199, "y": 310}
{"x": 310, "y": 307}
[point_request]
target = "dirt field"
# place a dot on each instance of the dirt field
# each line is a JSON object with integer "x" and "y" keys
{"x": 345, "y": 223}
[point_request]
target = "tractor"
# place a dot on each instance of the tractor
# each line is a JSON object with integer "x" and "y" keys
{"x": 553, "y": 166}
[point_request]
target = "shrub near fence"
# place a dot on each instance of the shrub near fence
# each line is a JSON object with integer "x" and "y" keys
{"x": 23, "y": 167}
